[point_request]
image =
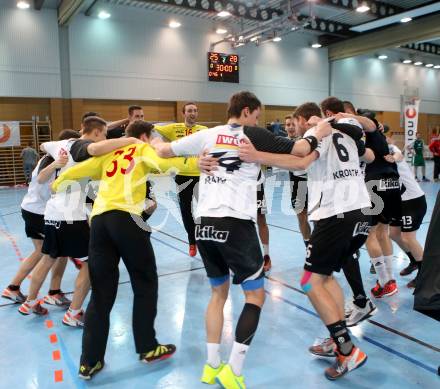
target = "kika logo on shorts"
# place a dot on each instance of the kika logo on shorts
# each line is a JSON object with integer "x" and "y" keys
{"x": 209, "y": 233}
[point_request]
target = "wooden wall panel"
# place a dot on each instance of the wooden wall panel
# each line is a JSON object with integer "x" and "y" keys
{"x": 22, "y": 109}
{"x": 210, "y": 114}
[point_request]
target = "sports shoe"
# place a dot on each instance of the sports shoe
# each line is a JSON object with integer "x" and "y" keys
{"x": 409, "y": 269}
{"x": 161, "y": 352}
{"x": 59, "y": 299}
{"x": 372, "y": 269}
{"x": 359, "y": 314}
{"x": 228, "y": 380}
{"x": 209, "y": 373}
{"x": 86, "y": 372}
{"x": 15, "y": 295}
{"x": 424, "y": 179}
{"x": 27, "y": 309}
{"x": 346, "y": 363}
{"x": 412, "y": 284}
{"x": 326, "y": 348}
{"x": 267, "y": 263}
{"x": 74, "y": 320}
{"x": 388, "y": 289}
{"x": 192, "y": 250}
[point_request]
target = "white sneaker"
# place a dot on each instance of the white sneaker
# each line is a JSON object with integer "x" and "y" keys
{"x": 358, "y": 314}
{"x": 74, "y": 321}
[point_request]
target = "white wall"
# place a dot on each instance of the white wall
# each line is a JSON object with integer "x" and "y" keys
{"x": 29, "y": 55}
{"x": 134, "y": 55}
{"x": 375, "y": 84}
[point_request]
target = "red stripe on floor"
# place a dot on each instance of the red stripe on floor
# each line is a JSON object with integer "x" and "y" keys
{"x": 58, "y": 376}
{"x": 53, "y": 338}
{"x": 56, "y": 355}
{"x": 49, "y": 323}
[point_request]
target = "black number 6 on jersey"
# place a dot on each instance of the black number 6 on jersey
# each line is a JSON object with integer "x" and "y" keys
{"x": 340, "y": 148}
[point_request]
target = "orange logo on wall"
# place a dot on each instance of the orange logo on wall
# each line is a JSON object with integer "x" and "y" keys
{"x": 411, "y": 113}
{"x": 6, "y": 134}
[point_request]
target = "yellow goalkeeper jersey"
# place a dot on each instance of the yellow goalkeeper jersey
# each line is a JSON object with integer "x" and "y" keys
{"x": 122, "y": 174}
{"x": 175, "y": 131}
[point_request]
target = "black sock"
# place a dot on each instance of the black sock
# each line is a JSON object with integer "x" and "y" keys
{"x": 340, "y": 335}
{"x": 419, "y": 265}
{"x": 247, "y": 324}
{"x": 306, "y": 242}
{"x": 53, "y": 292}
{"x": 14, "y": 288}
{"x": 352, "y": 272}
{"x": 360, "y": 300}
{"x": 411, "y": 257}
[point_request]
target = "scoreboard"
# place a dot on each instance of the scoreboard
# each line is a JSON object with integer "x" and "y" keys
{"x": 223, "y": 67}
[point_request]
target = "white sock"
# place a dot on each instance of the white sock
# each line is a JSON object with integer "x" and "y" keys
{"x": 381, "y": 270}
{"x": 31, "y": 302}
{"x": 74, "y": 312}
{"x": 266, "y": 249}
{"x": 389, "y": 266}
{"x": 238, "y": 354}
{"x": 213, "y": 355}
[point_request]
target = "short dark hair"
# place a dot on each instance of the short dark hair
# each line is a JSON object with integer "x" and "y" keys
{"x": 186, "y": 104}
{"x": 307, "y": 110}
{"x": 349, "y": 105}
{"x": 137, "y": 128}
{"x": 88, "y": 114}
{"x": 93, "y": 122}
{"x": 240, "y": 101}
{"x": 332, "y": 104}
{"x": 68, "y": 134}
{"x": 132, "y": 108}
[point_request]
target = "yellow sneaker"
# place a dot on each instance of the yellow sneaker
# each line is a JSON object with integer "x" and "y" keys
{"x": 209, "y": 373}
{"x": 228, "y": 380}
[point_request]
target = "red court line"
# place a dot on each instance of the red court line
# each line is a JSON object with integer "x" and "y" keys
{"x": 53, "y": 338}
{"x": 58, "y": 376}
{"x": 49, "y": 323}
{"x": 13, "y": 243}
{"x": 56, "y": 355}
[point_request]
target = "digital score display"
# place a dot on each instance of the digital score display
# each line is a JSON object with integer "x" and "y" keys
{"x": 223, "y": 67}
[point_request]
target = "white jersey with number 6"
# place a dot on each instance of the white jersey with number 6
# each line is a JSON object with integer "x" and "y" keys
{"x": 335, "y": 181}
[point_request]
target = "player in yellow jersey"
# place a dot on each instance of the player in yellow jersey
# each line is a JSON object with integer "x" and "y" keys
{"x": 117, "y": 231}
{"x": 186, "y": 182}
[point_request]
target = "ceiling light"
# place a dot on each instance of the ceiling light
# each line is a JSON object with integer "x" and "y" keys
{"x": 294, "y": 28}
{"x": 221, "y": 31}
{"x": 429, "y": 65}
{"x": 276, "y": 39}
{"x": 240, "y": 38}
{"x": 23, "y": 5}
{"x": 437, "y": 67}
{"x": 239, "y": 44}
{"x": 405, "y": 19}
{"x": 174, "y": 24}
{"x": 406, "y": 61}
{"x": 224, "y": 14}
{"x": 418, "y": 63}
{"x": 382, "y": 56}
{"x": 103, "y": 15}
{"x": 363, "y": 8}
{"x": 316, "y": 45}
{"x": 254, "y": 38}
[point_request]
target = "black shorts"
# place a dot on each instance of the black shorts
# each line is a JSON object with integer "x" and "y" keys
{"x": 33, "y": 224}
{"x": 230, "y": 244}
{"x": 299, "y": 197}
{"x": 387, "y": 209}
{"x": 413, "y": 212}
{"x": 334, "y": 240}
{"x": 261, "y": 200}
{"x": 63, "y": 239}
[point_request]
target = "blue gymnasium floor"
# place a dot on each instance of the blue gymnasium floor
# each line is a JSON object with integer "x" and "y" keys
{"x": 403, "y": 346}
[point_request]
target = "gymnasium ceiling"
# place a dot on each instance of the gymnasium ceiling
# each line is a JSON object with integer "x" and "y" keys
{"x": 333, "y": 23}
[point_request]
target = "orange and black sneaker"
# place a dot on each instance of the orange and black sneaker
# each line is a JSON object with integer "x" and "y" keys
{"x": 192, "y": 250}
{"x": 377, "y": 291}
{"x": 267, "y": 263}
{"x": 161, "y": 352}
{"x": 27, "y": 309}
{"x": 390, "y": 288}
{"x": 15, "y": 295}
{"x": 346, "y": 363}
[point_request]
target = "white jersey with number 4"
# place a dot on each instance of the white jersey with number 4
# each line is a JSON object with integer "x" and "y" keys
{"x": 410, "y": 189}
{"x": 66, "y": 205}
{"x": 335, "y": 181}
